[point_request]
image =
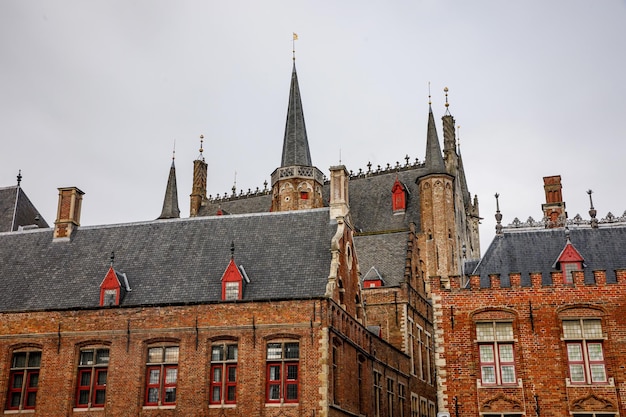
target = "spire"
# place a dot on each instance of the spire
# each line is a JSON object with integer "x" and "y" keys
{"x": 170, "y": 202}
{"x": 434, "y": 159}
{"x": 295, "y": 144}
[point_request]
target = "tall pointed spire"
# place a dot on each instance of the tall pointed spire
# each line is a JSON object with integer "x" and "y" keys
{"x": 295, "y": 145}
{"x": 170, "y": 202}
{"x": 434, "y": 159}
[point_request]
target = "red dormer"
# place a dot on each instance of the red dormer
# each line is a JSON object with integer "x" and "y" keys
{"x": 398, "y": 197}
{"x": 232, "y": 282}
{"x": 113, "y": 288}
{"x": 373, "y": 279}
{"x": 569, "y": 260}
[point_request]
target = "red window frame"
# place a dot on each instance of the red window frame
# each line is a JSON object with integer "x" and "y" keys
{"x": 163, "y": 365}
{"x": 284, "y": 381}
{"x": 224, "y": 358}
{"x": 28, "y": 373}
{"x": 155, "y": 385}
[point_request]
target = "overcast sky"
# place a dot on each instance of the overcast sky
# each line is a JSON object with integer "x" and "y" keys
{"x": 94, "y": 95}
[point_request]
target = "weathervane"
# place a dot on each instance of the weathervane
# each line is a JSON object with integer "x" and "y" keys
{"x": 293, "y": 44}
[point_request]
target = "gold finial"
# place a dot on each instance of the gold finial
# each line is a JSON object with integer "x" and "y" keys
{"x": 201, "y": 143}
{"x": 445, "y": 90}
{"x": 293, "y": 43}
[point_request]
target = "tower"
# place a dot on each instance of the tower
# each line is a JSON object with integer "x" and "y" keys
{"x": 296, "y": 184}
{"x": 198, "y": 190}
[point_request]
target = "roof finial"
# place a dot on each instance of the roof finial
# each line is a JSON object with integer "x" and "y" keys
{"x": 429, "y": 100}
{"x": 201, "y": 157}
{"x": 498, "y": 217}
{"x": 232, "y": 249}
{"x": 174, "y": 151}
{"x": 592, "y": 211}
{"x": 445, "y": 90}
{"x": 112, "y": 258}
{"x": 19, "y": 177}
{"x": 235, "y": 184}
{"x": 458, "y": 139}
{"x": 293, "y": 43}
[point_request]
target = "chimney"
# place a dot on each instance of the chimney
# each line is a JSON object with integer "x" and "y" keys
{"x": 198, "y": 191}
{"x": 554, "y": 209}
{"x": 68, "y": 213}
{"x": 339, "y": 201}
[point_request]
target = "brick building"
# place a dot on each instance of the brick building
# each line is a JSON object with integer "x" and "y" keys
{"x": 307, "y": 298}
{"x": 540, "y": 327}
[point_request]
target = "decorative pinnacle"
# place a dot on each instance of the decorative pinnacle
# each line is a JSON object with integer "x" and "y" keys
{"x": 232, "y": 249}
{"x": 174, "y": 151}
{"x": 498, "y": 217}
{"x": 201, "y": 157}
{"x": 590, "y": 200}
{"x": 293, "y": 43}
{"x": 19, "y": 177}
{"x": 429, "y": 98}
{"x": 592, "y": 211}
{"x": 112, "y": 257}
{"x": 445, "y": 90}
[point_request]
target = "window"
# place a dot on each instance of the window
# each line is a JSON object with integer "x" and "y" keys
{"x": 282, "y": 372}
{"x": 495, "y": 345}
{"x": 428, "y": 359}
{"x": 161, "y": 375}
{"x": 378, "y": 393}
{"x": 585, "y": 355}
{"x": 231, "y": 291}
{"x": 92, "y": 377}
{"x": 420, "y": 353}
{"x": 223, "y": 374}
{"x": 415, "y": 406}
{"x": 23, "y": 380}
{"x": 335, "y": 370}
{"x": 401, "y": 399}
{"x": 390, "y": 396}
{"x": 423, "y": 407}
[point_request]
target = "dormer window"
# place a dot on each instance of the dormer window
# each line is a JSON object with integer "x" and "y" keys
{"x": 569, "y": 260}
{"x": 232, "y": 290}
{"x": 398, "y": 197}
{"x": 113, "y": 288}
{"x": 373, "y": 279}
{"x": 234, "y": 280}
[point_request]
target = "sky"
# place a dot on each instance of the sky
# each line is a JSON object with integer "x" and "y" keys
{"x": 98, "y": 94}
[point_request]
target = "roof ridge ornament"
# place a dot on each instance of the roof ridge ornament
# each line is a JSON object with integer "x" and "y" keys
{"x": 592, "y": 211}
{"x": 19, "y": 177}
{"x": 498, "y": 217}
{"x": 201, "y": 156}
{"x": 447, "y": 112}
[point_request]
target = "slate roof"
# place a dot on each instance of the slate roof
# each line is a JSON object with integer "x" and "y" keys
{"x": 295, "y": 144}
{"x": 25, "y": 212}
{"x": 286, "y": 256}
{"x": 383, "y": 252}
{"x": 537, "y": 250}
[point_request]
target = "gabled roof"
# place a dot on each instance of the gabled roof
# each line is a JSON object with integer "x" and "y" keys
{"x": 17, "y": 210}
{"x": 169, "y": 261}
{"x": 295, "y": 144}
{"x": 531, "y": 251}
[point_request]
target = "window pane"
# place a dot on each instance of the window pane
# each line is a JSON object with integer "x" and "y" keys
{"x": 154, "y": 376}
{"x": 274, "y": 351}
{"x": 100, "y": 396}
{"x": 504, "y": 331}
{"x": 292, "y": 391}
{"x": 216, "y": 394}
{"x": 30, "y": 399}
{"x": 102, "y": 378}
{"x": 217, "y": 374}
{"x": 231, "y": 352}
{"x": 506, "y": 353}
{"x": 292, "y": 372}
{"x": 592, "y": 328}
{"x": 34, "y": 359}
{"x": 571, "y": 329}
{"x": 171, "y": 374}
{"x": 508, "y": 374}
{"x": 18, "y": 380}
{"x": 33, "y": 380}
{"x": 484, "y": 331}
{"x": 597, "y": 373}
{"x": 292, "y": 350}
{"x": 232, "y": 374}
{"x": 102, "y": 356}
{"x": 486, "y": 353}
{"x": 574, "y": 352}
{"x": 85, "y": 379}
{"x": 155, "y": 355}
{"x": 275, "y": 373}
{"x": 19, "y": 360}
{"x": 86, "y": 357}
{"x": 576, "y": 373}
{"x": 83, "y": 397}
{"x": 595, "y": 352}
{"x": 15, "y": 399}
{"x": 488, "y": 374}
{"x": 274, "y": 392}
{"x": 231, "y": 393}
{"x": 217, "y": 354}
{"x": 170, "y": 395}
{"x": 171, "y": 354}
{"x": 153, "y": 395}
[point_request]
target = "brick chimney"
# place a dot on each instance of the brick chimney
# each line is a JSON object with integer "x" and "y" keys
{"x": 554, "y": 209}
{"x": 68, "y": 213}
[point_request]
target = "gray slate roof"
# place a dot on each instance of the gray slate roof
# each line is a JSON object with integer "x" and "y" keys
{"x": 25, "y": 212}
{"x": 536, "y": 251}
{"x": 383, "y": 252}
{"x": 286, "y": 256}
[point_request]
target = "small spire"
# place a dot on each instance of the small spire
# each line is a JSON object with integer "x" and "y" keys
{"x": 235, "y": 184}
{"x": 19, "y": 177}
{"x": 498, "y": 217}
{"x": 201, "y": 156}
{"x": 232, "y": 249}
{"x": 592, "y": 211}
